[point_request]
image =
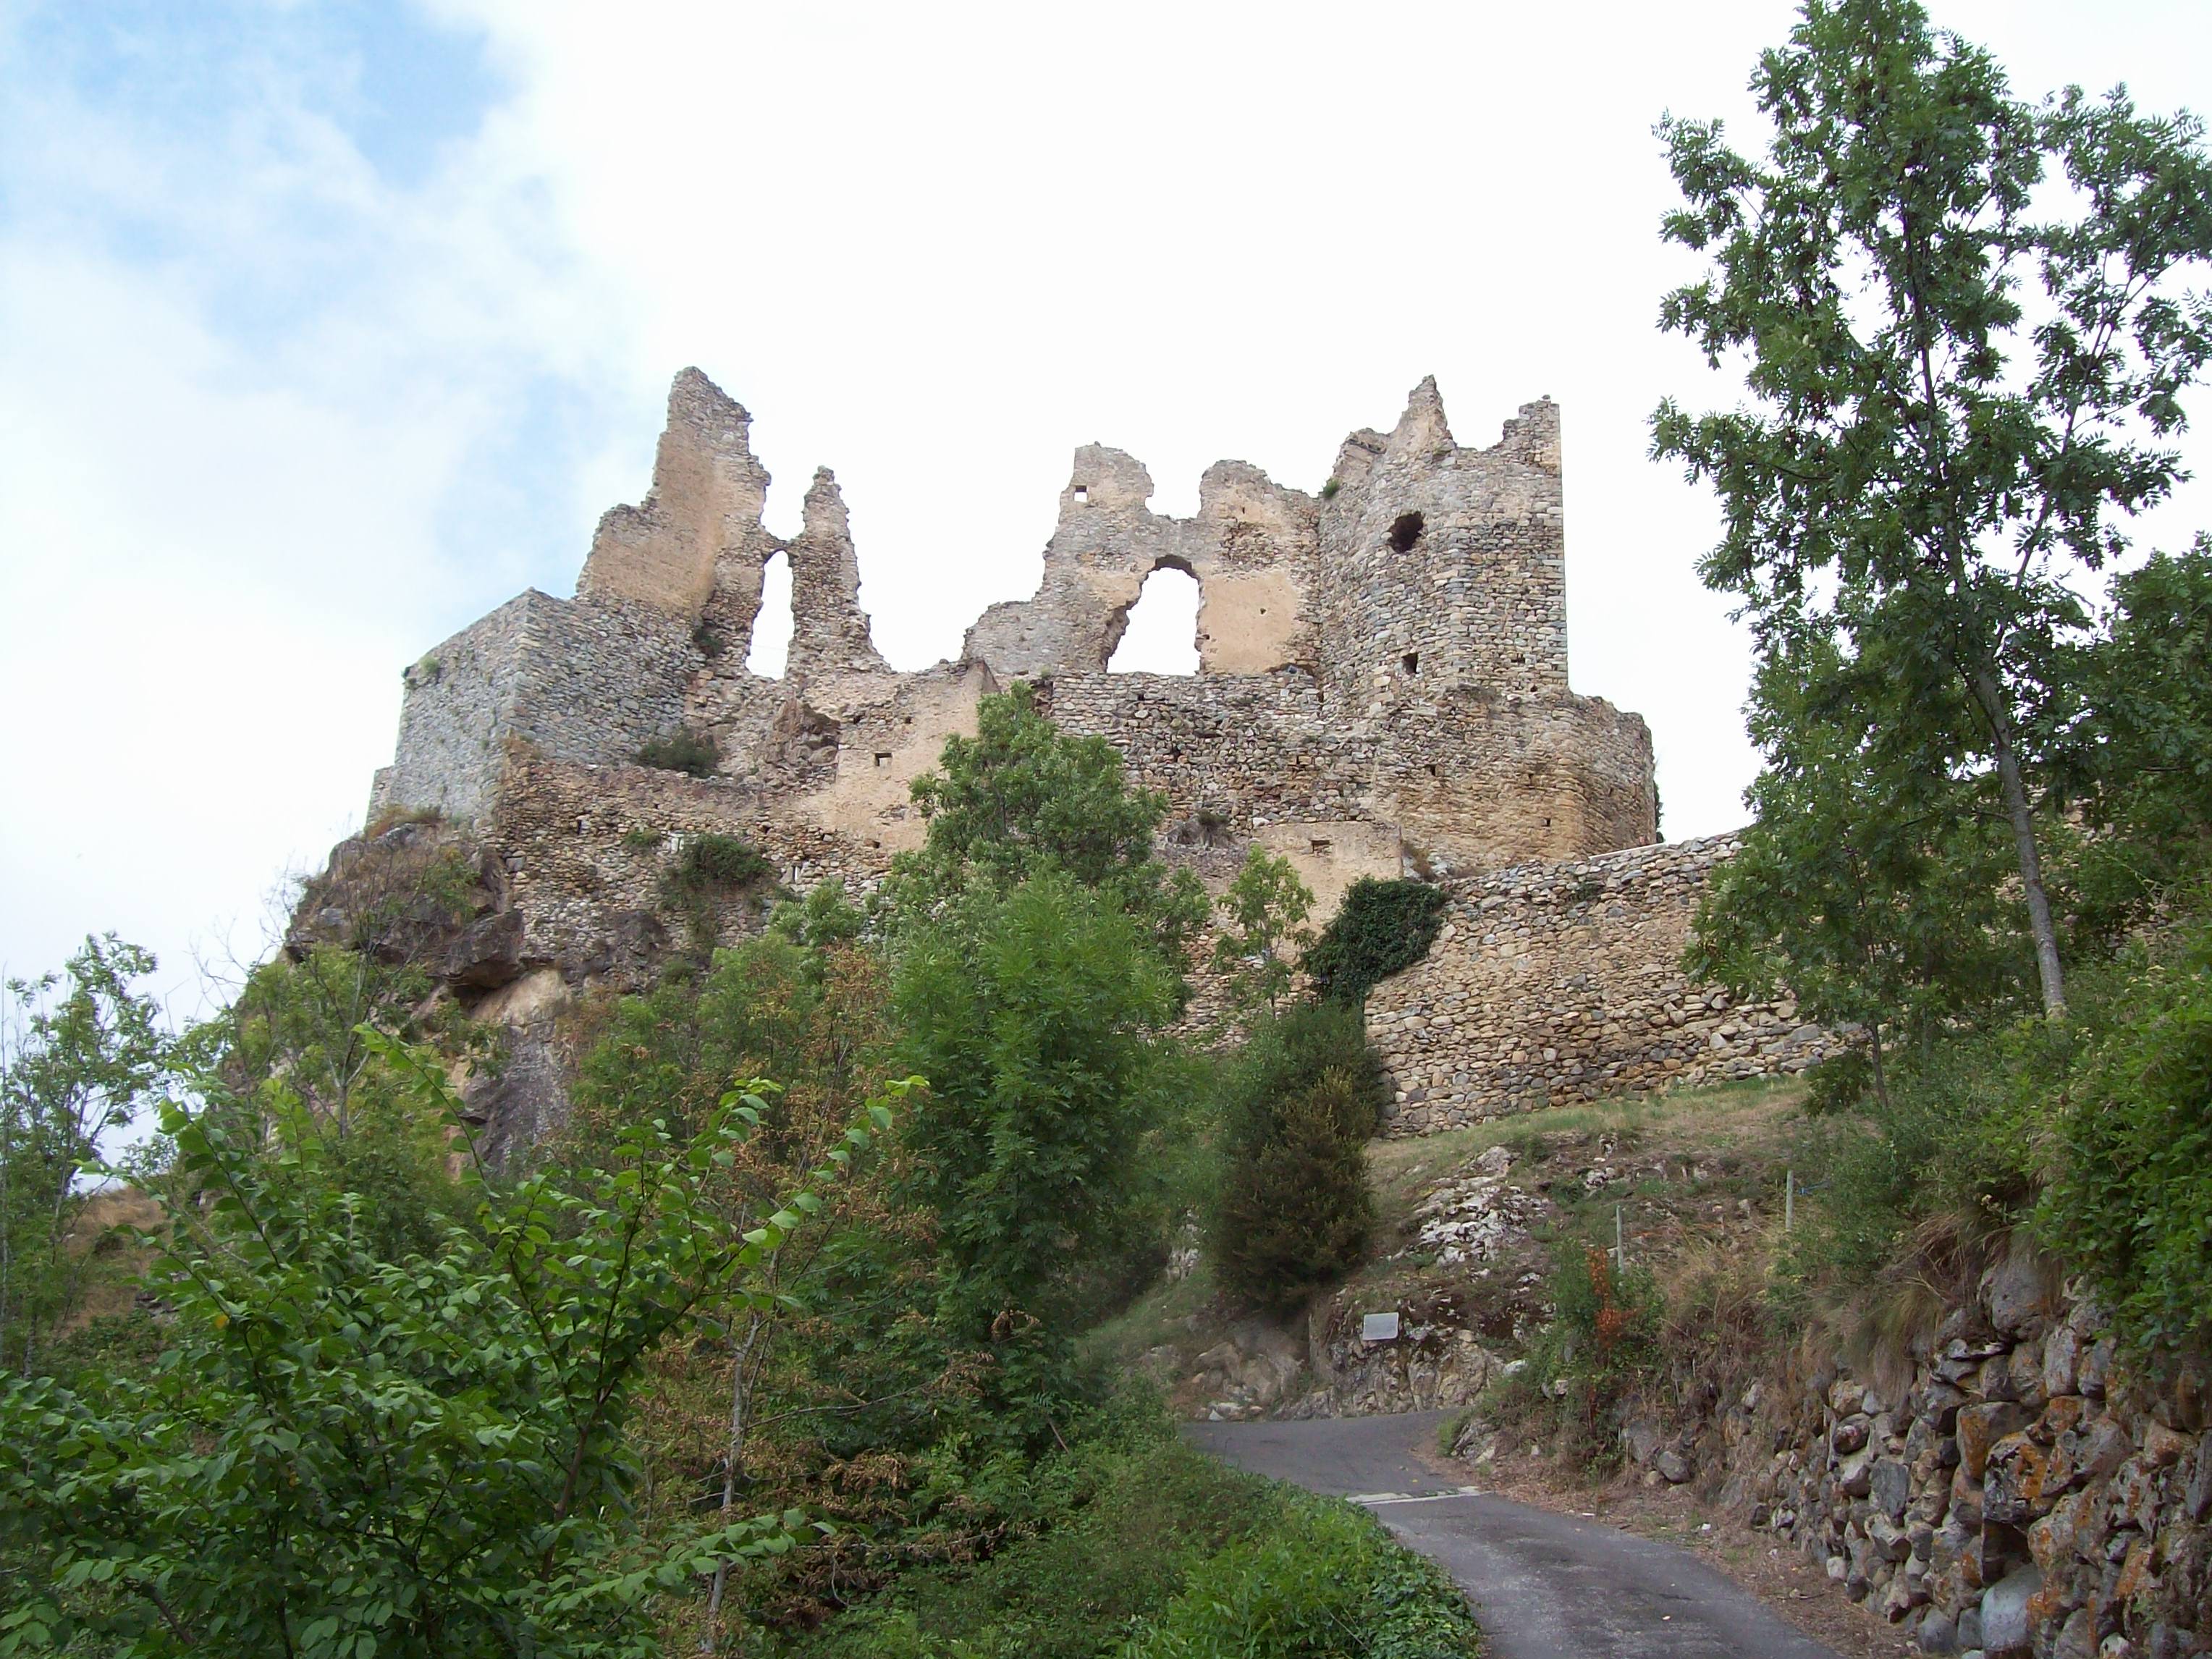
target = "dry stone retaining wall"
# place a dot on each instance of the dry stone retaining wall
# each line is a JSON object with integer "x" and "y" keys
{"x": 1555, "y": 982}
{"x": 2018, "y": 1492}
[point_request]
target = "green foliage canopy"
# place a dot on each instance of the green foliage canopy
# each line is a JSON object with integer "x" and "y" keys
{"x": 81, "y": 1052}
{"x": 1924, "y": 455}
{"x": 343, "y": 1456}
{"x": 1035, "y": 1014}
{"x": 1022, "y": 799}
{"x": 1265, "y": 908}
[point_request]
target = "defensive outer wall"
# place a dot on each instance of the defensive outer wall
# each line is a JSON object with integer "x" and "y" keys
{"x": 1382, "y": 688}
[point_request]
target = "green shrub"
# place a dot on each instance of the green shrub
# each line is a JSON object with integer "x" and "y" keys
{"x": 1383, "y": 927}
{"x": 2131, "y": 1197}
{"x": 717, "y": 864}
{"x": 1287, "y": 1053}
{"x": 710, "y": 870}
{"x": 1131, "y": 1542}
{"x": 1325, "y": 1581}
{"x": 1300, "y": 1101}
{"x": 1604, "y": 1335}
{"x": 1294, "y": 1212}
{"x": 684, "y": 751}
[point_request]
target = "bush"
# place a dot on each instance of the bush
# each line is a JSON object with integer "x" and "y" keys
{"x": 1301, "y": 1101}
{"x": 1325, "y": 1581}
{"x": 1295, "y": 1212}
{"x": 2131, "y": 1198}
{"x": 1603, "y": 1337}
{"x": 710, "y": 869}
{"x": 1132, "y": 1543}
{"x": 1383, "y": 927}
{"x": 684, "y": 751}
{"x": 1286, "y": 1055}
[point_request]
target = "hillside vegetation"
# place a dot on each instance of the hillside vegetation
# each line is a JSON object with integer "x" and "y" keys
{"x": 773, "y": 1346}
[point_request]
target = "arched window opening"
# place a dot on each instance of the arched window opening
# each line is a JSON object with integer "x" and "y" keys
{"x": 772, "y": 627}
{"x": 1162, "y": 636}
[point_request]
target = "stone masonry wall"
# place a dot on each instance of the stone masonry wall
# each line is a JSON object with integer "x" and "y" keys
{"x": 457, "y": 711}
{"x": 2017, "y": 1492}
{"x": 1555, "y": 982}
{"x": 1381, "y": 687}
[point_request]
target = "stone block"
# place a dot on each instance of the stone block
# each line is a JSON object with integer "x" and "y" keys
{"x": 2006, "y": 1631}
{"x": 1981, "y": 1426}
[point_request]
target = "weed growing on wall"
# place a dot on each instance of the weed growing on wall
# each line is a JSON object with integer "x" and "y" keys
{"x": 682, "y": 752}
{"x": 708, "y": 872}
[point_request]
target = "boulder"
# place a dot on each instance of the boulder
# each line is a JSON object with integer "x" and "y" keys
{"x": 1890, "y": 1486}
{"x": 2012, "y": 1482}
{"x": 2016, "y": 1291}
{"x": 2005, "y": 1626}
{"x": 1938, "y": 1632}
{"x": 487, "y": 953}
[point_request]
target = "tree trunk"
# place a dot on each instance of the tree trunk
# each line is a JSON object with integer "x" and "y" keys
{"x": 731, "y": 1463}
{"x": 2047, "y": 967}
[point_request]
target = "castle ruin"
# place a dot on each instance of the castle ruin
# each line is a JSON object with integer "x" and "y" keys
{"x": 1382, "y": 688}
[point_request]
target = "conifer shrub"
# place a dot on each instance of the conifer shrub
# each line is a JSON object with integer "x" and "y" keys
{"x": 1383, "y": 927}
{"x": 1294, "y": 1212}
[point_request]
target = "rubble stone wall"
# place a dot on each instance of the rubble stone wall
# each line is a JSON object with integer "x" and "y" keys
{"x": 1562, "y": 982}
{"x": 2021, "y": 1492}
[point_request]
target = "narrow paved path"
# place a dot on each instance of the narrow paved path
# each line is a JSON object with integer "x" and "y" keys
{"x": 1545, "y": 1586}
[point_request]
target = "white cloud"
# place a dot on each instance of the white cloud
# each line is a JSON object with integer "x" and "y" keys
{"x": 282, "y": 412}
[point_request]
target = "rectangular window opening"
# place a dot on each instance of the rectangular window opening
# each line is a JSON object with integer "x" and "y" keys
{"x": 1413, "y": 661}
{"x": 883, "y": 757}
{"x": 1083, "y": 495}
{"x": 1320, "y": 846}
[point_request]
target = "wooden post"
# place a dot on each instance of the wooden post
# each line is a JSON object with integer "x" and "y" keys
{"x": 1789, "y": 1200}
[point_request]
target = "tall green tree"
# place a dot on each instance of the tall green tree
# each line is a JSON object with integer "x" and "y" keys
{"x": 1036, "y": 1016}
{"x": 2132, "y": 727}
{"x": 1022, "y": 799}
{"x": 1870, "y": 887}
{"x": 81, "y": 1054}
{"x": 1960, "y": 384}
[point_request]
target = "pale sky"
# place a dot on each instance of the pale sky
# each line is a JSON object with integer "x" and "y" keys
{"x": 326, "y": 328}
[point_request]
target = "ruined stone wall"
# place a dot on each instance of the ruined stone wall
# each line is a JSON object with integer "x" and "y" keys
{"x": 457, "y": 712}
{"x": 1489, "y": 780}
{"x": 1554, "y": 982}
{"x": 1444, "y": 567}
{"x": 599, "y": 678}
{"x": 1381, "y": 687}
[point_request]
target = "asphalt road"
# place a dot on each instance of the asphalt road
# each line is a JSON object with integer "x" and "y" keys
{"x": 1545, "y": 1586}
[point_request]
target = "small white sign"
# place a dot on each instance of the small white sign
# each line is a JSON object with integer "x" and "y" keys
{"x": 1378, "y": 1328}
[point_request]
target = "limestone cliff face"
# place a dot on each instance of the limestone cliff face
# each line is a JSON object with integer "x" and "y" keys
{"x": 1383, "y": 683}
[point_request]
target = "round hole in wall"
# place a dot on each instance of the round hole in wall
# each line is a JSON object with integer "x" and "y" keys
{"x": 1405, "y": 531}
